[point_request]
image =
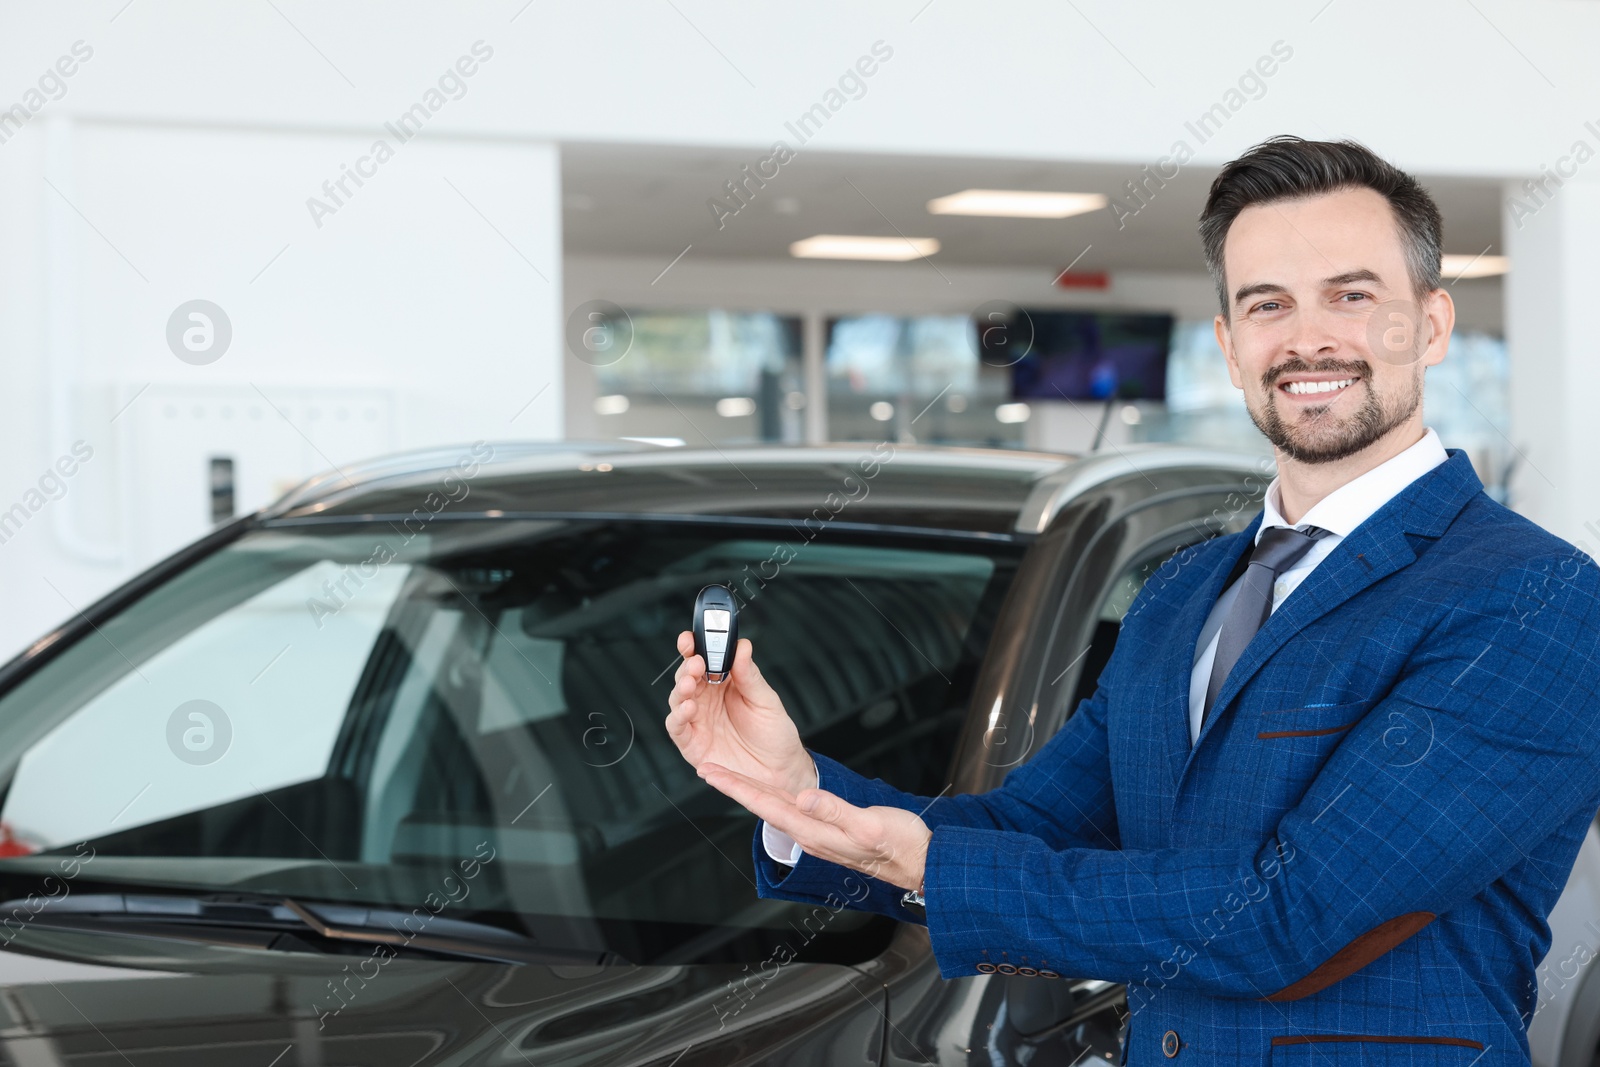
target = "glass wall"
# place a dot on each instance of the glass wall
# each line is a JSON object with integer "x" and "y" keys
{"x": 1466, "y": 398}
{"x": 737, "y": 377}
{"x": 704, "y": 376}
{"x": 917, "y": 379}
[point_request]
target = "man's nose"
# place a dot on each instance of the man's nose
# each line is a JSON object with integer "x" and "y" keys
{"x": 1314, "y": 333}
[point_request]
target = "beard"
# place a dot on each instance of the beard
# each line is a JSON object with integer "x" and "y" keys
{"x": 1320, "y": 437}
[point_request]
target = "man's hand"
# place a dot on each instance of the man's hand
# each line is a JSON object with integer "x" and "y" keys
{"x": 890, "y": 844}
{"x": 740, "y": 723}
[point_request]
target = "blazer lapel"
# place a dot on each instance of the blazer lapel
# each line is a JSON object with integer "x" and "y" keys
{"x": 1376, "y": 548}
{"x": 1178, "y": 665}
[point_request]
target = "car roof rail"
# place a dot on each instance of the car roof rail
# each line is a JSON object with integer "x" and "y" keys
{"x": 424, "y": 460}
{"x": 1055, "y": 491}
{"x": 531, "y": 456}
{"x": 1053, "y": 488}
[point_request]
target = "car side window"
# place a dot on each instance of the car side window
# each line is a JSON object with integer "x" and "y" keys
{"x": 1119, "y": 597}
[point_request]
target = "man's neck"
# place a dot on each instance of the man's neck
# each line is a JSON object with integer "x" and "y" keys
{"x": 1302, "y": 485}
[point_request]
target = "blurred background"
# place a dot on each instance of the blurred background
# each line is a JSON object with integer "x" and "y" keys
{"x": 245, "y": 242}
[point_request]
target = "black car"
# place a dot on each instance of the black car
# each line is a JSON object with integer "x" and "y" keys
{"x": 378, "y": 775}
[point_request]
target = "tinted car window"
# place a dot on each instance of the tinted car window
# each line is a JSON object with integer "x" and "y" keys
{"x": 1119, "y": 597}
{"x": 345, "y": 712}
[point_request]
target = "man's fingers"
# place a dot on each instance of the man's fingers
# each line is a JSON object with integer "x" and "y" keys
{"x": 686, "y": 645}
{"x": 744, "y": 662}
{"x": 819, "y": 804}
{"x": 688, "y": 675}
{"x": 821, "y": 836}
{"x": 746, "y": 786}
{"x": 685, "y": 684}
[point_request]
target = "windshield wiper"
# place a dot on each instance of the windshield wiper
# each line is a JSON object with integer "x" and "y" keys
{"x": 455, "y": 937}
{"x": 188, "y": 917}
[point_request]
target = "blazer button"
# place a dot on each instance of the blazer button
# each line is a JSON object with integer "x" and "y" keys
{"x": 986, "y": 967}
{"x": 1169, "y": 1044}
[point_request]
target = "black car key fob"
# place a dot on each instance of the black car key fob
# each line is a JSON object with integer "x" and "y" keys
{"x": 716, "y": 631}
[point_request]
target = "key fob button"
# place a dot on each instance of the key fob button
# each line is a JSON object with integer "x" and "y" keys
{"x": 716, "y": 630}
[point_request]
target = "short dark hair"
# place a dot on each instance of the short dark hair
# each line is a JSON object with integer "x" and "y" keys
{"x": 1287, "y": 167}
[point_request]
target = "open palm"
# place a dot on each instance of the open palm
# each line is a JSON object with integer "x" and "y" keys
{"x": 740, "y": 724}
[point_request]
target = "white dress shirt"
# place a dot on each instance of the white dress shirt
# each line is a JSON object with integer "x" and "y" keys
{"x": 779, "y": 845}
{"x": 1340, "y": 512}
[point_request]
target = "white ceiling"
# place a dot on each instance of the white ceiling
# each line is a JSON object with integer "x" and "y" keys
{"x": 651, "y": 200}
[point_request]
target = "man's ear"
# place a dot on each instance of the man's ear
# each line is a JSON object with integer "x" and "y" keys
{"x": 1225, "y": 342}
{"x": 1440, "y": 312}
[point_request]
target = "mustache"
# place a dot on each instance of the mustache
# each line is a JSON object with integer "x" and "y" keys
{"x": 1357, "y": 368}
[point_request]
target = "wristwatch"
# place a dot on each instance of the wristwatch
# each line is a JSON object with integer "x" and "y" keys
{"x": 914, "y": 896}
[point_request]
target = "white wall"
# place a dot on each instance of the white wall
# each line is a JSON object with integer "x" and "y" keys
{"x": 1440, "y": 88}
{"x": 405, "y": 319}
{"x": 1550, "y": 326}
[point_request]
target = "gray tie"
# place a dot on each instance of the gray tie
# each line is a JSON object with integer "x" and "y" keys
{"x": 1279, "y": 549}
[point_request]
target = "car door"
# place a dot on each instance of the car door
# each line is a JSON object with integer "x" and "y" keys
{"x": 1057, "y": 629}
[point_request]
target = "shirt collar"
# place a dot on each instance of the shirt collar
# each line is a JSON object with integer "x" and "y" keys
{"x": 1342, "y": 510}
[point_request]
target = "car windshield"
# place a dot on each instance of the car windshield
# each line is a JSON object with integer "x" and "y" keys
{"x": 470, "y": 716}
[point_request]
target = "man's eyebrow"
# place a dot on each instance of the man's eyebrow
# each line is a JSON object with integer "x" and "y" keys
{"x": 1349, "y": 276}
{"x": 1247, "y": 291}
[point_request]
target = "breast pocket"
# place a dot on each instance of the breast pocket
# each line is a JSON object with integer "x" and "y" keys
{"x": 1309, "y": 722}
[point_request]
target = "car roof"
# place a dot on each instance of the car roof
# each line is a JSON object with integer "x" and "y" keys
{"x": 981, "y": 490}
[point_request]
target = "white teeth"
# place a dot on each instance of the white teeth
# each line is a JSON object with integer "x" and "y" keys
{"x": 1318, "y": 387}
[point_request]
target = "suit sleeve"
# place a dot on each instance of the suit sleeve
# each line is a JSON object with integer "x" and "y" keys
{"x": 1062, "y": 796}
{"x": 1485, "y": 745}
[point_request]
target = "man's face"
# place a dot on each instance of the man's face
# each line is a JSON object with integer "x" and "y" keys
{"x": 1325, "y": 335}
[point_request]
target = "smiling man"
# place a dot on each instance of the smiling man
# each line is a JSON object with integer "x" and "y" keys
{"x": 1337, "y": 769}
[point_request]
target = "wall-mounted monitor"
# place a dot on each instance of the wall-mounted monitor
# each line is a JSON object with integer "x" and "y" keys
{"x": 1090, "y": 355}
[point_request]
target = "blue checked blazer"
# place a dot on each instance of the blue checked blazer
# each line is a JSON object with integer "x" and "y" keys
{"x": 1354, "y": 862}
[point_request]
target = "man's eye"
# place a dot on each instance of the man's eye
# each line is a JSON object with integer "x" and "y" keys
{"x": 1358, "y": 296}
{"x": 1267, "y": 305}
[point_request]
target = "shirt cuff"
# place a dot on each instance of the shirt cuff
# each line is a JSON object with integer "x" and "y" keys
{"x": 779, "y": 845}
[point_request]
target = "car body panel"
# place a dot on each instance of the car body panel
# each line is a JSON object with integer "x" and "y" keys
{"x": 412, "y": 1012}
{"x": 1083, "y": 532}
